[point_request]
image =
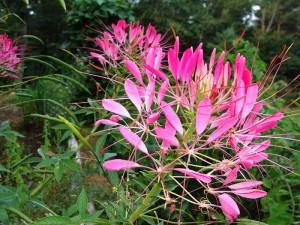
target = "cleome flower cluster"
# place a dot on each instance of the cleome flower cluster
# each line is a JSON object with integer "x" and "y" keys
{"x": 9, "y": 58}
{"x": 204, "y": 119}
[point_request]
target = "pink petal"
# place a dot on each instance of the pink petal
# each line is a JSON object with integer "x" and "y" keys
{"x": 252, "y": 193}
{"x": 173, "y": 62}
{"x": 132, "y": 67}
{"x": 247, "y": 77}
{"x": 133, "y": 94}
{"x": 149, "y": 95}
{"x": 172, "y": 117}
{"x": 115, "y": 118}
{"x": 187, "y": 54}
{"x": 246, "y": 185}
{"x": 229, "y": 207}
{"x": 115, "y": 107}
{"x": 240, "y": 97}
{"x": 258, "y": 157}
{"x": 250, "y": 100}
{"x": 219, "y": 68}
{"x": 265, "y": 126}
{"x": 170, "y": 128}
{"x": 233, "y": 143}
{"x": 259, "y": 147}
{"x": 232, "y": 105}
{"x": 100, "y": 58}
{"x": 153, "y": 118}
{"x": 176, "y": 45}
{"x": 222, "y": 129}
{"x": 159, "y": 74}
{"x": 120, "y": 164}
{"x": 212, "y": 59}
{"x": 162, "y": 91}
{"x": 105, "y": 122}
{"x": 204, "y": 110}
{"x": 199, "y": 176}
{"x": 190, "y": 67}
{"x": 247, "y": 163}
{"x": 232, "y": 175}
{"x": 133, "y": 139}
{"x": 166, "y": 136}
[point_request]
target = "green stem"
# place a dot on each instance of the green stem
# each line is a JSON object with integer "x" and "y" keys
{"x": 136, "y": 214}
{"x": 20, "y": 214}
{"x": 85, "y": 142}
{"x": 40, "y": 186}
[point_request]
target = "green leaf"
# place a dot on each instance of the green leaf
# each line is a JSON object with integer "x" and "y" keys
{"x": 41, "y": 62}
{"x": 66, "y": 135}
{"x": 46, "y": 117}
{"x": 63, "y": 4}
{"x": 45, "y": 163}
{"x": 110, "y": 212}
{"x": 55, "y": 220}
{"x": 65, "y": 109}
{"x": 76, "y": 132}
{"x": 42, "y": 206}
{"x": 60, "y": 127}
{"x": 99, "y": 221}
{"x": 249, "y": 222}
{"x": 19, "y": 214}
{"x": 72, "y": 165}
{"x": 26, "y": 1}
{"x": 32, "y": 160}
{"x": 114, "y": 177}
{"x": 149, "y": 220}
{"x": 58, "y": 171}
{"x": 64, "y": 64}
{"x": 71, "y": 210}
{"x": 32, "y": 36}
{"x": 3, "y": 216}
{"x": 100, "y": 2}
{"x": 75, "y": 82}
{"x": 82, "y": 202}
{"x": 101, "y": 142}
{"x": 108, "y": 155}
{"x": 3, "y": 169}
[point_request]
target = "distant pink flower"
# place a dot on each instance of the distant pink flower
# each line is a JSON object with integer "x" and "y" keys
{"x": 9, "y": 59}
{"x": 123, "y": 40}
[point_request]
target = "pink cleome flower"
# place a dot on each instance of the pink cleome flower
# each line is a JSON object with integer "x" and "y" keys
{"x": 125, "y": 41}
{"x": 9, "y": 59}
{"x": 188, "y": 107}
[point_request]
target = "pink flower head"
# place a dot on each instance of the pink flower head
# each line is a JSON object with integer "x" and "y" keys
{"x": 124, "y": 39}
{"x": 188, "y": 113}
{"x": 9, "y": 59}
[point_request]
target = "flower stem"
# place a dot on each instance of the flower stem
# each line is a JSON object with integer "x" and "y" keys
{"x": 136, "y": 214}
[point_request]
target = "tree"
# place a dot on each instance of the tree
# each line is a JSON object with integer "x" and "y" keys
{"x": 194, "y": 21}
